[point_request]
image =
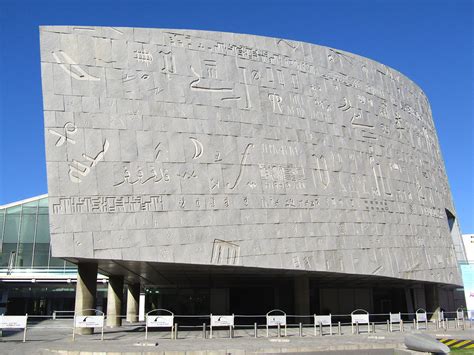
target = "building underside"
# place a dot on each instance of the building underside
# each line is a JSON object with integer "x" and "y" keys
{"x": 201, "y": 289}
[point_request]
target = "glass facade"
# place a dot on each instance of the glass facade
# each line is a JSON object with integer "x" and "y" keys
{"x": 24, "y": 237}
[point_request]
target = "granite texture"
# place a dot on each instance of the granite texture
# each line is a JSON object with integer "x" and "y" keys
{"x": 174, "y": 146}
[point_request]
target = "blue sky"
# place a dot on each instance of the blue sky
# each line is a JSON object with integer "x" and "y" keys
{"x": 430, "y": 41}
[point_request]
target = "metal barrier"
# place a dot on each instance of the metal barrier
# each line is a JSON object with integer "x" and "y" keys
{"x": 14, "y": 322}
{"x": 277, "y": 320}
{"x": 57, "y": 314}
{"x": 89, "y": 321}
{"x": 159, "y": 321}
{"x": 421, "y": 317}
{"x": 212, "y": 326}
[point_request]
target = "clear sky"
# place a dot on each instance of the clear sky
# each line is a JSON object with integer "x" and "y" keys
{"x": 430, "y": 41}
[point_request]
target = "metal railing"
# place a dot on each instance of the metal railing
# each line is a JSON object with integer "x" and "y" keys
{"x": 257, "y": 326}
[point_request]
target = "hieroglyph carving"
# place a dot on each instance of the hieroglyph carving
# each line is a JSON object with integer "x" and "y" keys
{"x": 106, "y": 204}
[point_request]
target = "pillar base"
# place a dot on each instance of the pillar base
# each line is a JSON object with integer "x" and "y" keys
{"x": 133, "y": 296}
{"x": 86, "y": 289}
{"x": 114, "y": 301}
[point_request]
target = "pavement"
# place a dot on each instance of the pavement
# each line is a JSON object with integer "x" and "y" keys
{"x": 55, "y": 337}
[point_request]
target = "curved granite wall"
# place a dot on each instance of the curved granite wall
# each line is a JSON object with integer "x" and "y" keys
{"x": 225, "y": 149}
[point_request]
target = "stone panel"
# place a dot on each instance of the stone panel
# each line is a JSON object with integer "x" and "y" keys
{"x": 226, "y": 149}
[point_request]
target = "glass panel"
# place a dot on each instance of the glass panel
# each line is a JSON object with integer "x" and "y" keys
{"x": 5, "y": 255}
{"x": 29, "y": 210}
{"x": 14, "y": 209}
{"x": 42, "y": 229}
{"x": 27, "y": 230}
{"x": 25, "y": 254}
{"x": 31, "y": 204}
{"x": 12, "y": 226}
{"x": 2, "y": 216}
{"x": 56, "y": 263}
{"x": 43, "y": 210}
{"x": 41, "y": 255}
{"x": 27, "y": 236}
{"x": 43, "y": 202}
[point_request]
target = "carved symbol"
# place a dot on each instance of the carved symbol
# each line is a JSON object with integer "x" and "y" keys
{"x": 164, "y": 176}
{"x": 290, "y": 44}
{"x": 156, "y": 90}
{"x": 217, "y": 157}
{"x": 323, "y": 170}
{"x": 69, "y": 128}
{"x": 225, "y": 253}
{"x": 198, "y": 148}
{"x": 194, "y": 85}
{"x": 157, "y": 150}
{"x": 242, "y": 166}
{"x": 231, "y": 98}
{"x": 116, "y": 30}
{"x": 128, "y": 77}
{"x": 296, "y": 261}
{"x": 252, "y": 184}
{"x": 126, "y": 178}
{"x": 339, "y": 55}
{"x": 83, "y": 29}
{"x": 68, "y": 65}
{"x": 75, "y": 172}
{"x": 187, "y": 175}
{"x": 345, "y": 106}
{"x": 357, "y": 120}
{"x": 214, "y": 183}
{"x": 270, "y": 76}
{"x": 276, "y": 101}
{"x": 256, "y": 75}
{"x": 247, "y": 94}
{"x": 381, "y": 182}
{"x": 295, "y": 81}
{"x": 169, "y": 65}
{"x": 145, "y": 76}
{"x": 211, "y": 68}
{"x": 143, "y": 56}
{"x": 281, "y": 78}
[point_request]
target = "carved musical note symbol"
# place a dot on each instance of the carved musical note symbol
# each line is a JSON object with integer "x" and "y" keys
{"x": 242, "y": 167}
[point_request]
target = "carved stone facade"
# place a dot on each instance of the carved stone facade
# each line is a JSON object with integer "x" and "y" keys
{"x": 194, "y": 147}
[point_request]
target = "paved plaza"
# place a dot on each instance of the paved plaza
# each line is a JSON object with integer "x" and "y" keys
{"x": 55, "y": 337}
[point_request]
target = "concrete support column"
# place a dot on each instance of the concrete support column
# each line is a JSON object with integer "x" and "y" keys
{"x": 432, "y": 300}
{"x": 133, "y": 295}
{"x": 114, "y": 301}
{"x": 141, "y": 306}
{"x": 302, "y": 297}
{"x": 86, "y": 289}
